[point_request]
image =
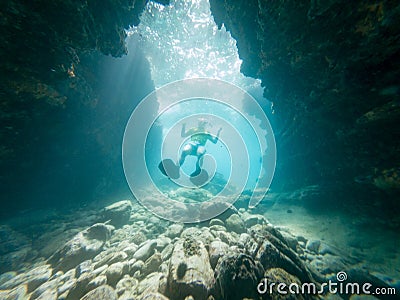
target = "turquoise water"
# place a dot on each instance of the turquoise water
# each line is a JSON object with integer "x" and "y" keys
{"x": 182, "y": 42}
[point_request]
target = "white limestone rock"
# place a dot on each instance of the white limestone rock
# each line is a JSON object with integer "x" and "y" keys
{"x": 190, "y": 272}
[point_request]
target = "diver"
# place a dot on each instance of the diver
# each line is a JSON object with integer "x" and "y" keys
{"x": 196, "y": 147}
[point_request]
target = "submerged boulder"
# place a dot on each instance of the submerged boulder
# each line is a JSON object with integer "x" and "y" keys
{"x": 85, "y": 245}
{"x": 118, "y": 213}
{"x": 190, "y": 272}
{"x": 237, "y": 276}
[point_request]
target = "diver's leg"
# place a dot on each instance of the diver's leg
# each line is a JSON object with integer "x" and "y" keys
{"x": 201, "y": 150}
{"x": 187, "y": 150}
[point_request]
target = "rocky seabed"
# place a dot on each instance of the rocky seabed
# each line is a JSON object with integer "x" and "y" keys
{"x": 132, "y": 254}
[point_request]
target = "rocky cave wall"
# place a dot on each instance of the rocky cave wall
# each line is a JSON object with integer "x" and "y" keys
{"x": 61, "y": 127}
{"x": 332, "y": 70}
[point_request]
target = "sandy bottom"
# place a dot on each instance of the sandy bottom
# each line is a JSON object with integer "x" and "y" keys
{"x": 376, "y": 248}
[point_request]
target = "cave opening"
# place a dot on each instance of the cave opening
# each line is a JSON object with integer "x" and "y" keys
{"x": 181, "y": 41}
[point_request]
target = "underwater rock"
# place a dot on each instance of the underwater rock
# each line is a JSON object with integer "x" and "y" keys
{"x": 191, "y": 232}
{"x": 174, "y": 230}
{"x": 118, "y": 213}
{"x": 130, "y": 249}
{"x": 326, "y": 249}
{"x": 272, "y": 251}
{"x": 216, "y": 250}
{"x": 135, "y": 265}
{"x": 271, "y": 257}
{"x": 96, "y": 282}
{"x": 66, "y": 281}
{"x": 152, "y": 264}
{"x": 145, "y": 251}
{"x": 162, "y": 242}
{"x": 100, "y": 270}
{"x": 251, "y": 219}
{"x": 190, "y": 272}
{"x": 217, "y": 228}
{"x": 84, "y": 267}
{"x": 127, "y": 283}
{"x": 47, "y": 295}
{"x": 244, "y": 239}
{"x": 109, "y": 259}
{"x": 7, "y": 276}
{"x": 226, "y": 237}
{"x": 20, "y": 293}
{"x": 313, "y": 245}
{"x": 167, "y": 252}
{"x": 210, "y": 207}
{"x": 32, "y": 278}
{"x": 102, "y": 292}
{"x": 237, "y": 276}
{"x": 65, "y": 288}
{"x": 46, "y": 289}
{"x": 291, "y": 241}
{"x": 235, "y": 223}
{"x": 152, "y": 283}
{"x": 216, "y": 222}
{"x": 115, "y": 272}
{"x": 277, "y": 275}
{"x": 85, "y": 245}
{"x": 81, "y": 286}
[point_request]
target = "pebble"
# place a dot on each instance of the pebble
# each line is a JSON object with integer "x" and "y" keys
{"x": 146, "y": 250}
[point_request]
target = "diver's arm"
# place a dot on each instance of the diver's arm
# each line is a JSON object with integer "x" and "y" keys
{"x": 183, "y": 130}
{"x": 214, "y": 139}
{"x": 187, "y": 133}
